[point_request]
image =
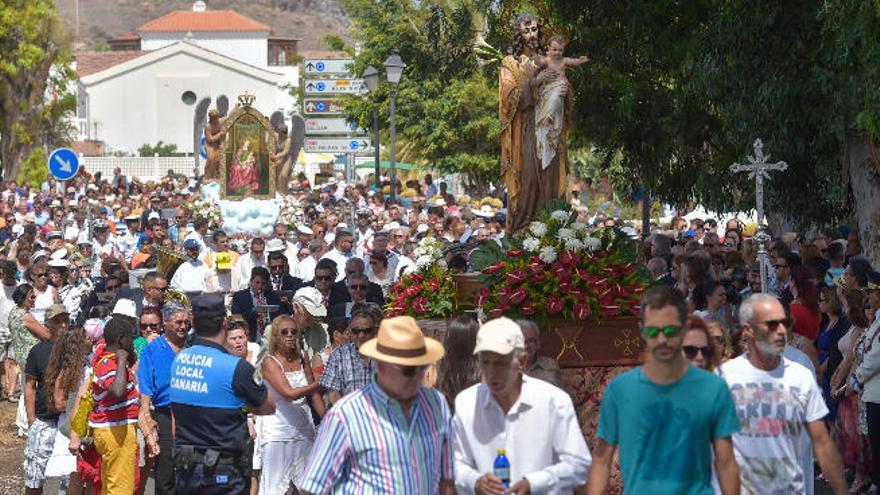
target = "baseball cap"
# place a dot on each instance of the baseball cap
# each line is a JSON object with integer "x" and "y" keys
{"x": 125, "y": 307}
{"x": 55, "y": 310}
{"x": 190, "y": 244}
{"x": 501, "y": 336}
{"x": 311, "y": 300}
{"x": 209, "y": 305}
{"x": 274, "y": 245}
{"x": 153, "y": 215}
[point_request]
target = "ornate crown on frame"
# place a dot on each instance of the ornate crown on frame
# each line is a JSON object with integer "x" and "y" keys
{"x": 246, "y": 100}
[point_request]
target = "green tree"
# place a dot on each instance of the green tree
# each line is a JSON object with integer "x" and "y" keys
{"x": 35, "y": 74}
{"x": 159, "y": 148}
{"x": 447, "y": 107}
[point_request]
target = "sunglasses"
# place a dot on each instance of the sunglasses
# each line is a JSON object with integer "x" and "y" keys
{"x": 149, "y": 325}
{"x": 690, "y": 351}
{"x": 276, "y": 267}
{"x": 410, "y": 371}
{"x": 323, "y": 278}
{"x": 364, "y": 331}
{"x": 772, "y": 325}
{"x": 163, "y": 289}
{"x": 358, "y": 287}
{"x": 781, "y": 266}
{"x": 668, "y": 331}
{"x": 44, "y": 274}
{"x": 284, "y": 332}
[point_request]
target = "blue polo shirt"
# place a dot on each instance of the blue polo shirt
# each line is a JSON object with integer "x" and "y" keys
{"x": 154, "y": 371}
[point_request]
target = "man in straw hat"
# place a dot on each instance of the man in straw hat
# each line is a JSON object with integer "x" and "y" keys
{"x": 532, "y": 420}
{"x": 393, "y": 435}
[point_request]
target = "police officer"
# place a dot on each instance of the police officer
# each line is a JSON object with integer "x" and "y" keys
{"x": 211, "y": 393}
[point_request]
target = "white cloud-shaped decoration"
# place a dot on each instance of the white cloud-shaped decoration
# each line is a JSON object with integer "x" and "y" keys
{"x": 253, "y": 216}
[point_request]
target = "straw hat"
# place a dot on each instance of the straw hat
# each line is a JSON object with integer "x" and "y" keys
{"x": 400, "y": 341}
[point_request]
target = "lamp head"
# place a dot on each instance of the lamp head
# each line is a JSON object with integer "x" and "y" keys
{"x": 394, "y": 68}
{"x": 371, "y": 78}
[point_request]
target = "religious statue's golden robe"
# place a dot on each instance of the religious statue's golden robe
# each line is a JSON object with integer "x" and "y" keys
{"x": 528, "y": 184}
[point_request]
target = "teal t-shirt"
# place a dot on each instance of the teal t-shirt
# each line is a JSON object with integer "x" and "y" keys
{"x": 664, "y": 432}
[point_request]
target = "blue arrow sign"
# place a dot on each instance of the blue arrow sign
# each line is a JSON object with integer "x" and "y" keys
{"x": 321, "y": 86}
{"x": 353, "y": 145}
{"x": 63, "y": 163}
{"x": 319, "y": 66}
{"x": 320, "y": 106}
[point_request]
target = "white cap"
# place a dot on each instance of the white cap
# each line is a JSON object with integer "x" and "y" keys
{"x": 311, "y": 300}
{"x": 58, "y": 263}
{"x": 422, "y": 228}
{"x": 501, "y": 336}
{"x": 304, "y": 229}
{"x": 153, "y": 215}
{"x": 125, "y": 307}
{"x": 274, "y": 245}
{"x": 59, "y": 254}
{"x": 342, "y": 225}
{"x": 391, "y": 226}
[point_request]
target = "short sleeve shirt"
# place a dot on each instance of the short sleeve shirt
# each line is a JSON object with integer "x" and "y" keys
{"x": 154, "y": 371}
{"x": 346, "y": 371}
{"x": 36, "y": 365}
{"x": 665, "y": 432}
{"x": 773, "y": 408}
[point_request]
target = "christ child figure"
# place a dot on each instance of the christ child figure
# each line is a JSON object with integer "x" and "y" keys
{"x": 550, "y": 108}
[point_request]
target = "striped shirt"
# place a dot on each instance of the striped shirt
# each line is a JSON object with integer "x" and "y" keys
{"x": 108, "y": 410}
{"x": 366, "y": 445}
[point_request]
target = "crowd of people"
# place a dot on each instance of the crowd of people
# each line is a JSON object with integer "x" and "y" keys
{"x": 267, "y": 365}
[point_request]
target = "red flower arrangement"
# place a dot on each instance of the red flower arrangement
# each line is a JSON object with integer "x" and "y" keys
{"x": 429, "y": 292}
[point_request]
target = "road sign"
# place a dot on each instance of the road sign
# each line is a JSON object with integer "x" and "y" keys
{"x": 330, "y": 126}
{"x": 327, "y": 66}
{"x": 323, "y": 106}
{"x": 345, "y": 86}
{"x": 338, "y": 145}
{"x": 63, "y": 163}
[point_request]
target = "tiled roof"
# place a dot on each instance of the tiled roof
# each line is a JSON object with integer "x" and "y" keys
{"x": 210, "y": 21}
{"x": 91, "y": 62}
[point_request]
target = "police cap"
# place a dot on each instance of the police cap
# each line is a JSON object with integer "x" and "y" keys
{"x": 208, "y": 306}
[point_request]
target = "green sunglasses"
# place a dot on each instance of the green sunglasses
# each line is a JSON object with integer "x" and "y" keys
{"x": 668, "y": 331}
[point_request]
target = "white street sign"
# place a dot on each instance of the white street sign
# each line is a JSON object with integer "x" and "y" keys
{"x": 329, "y": 126}
{"x": 337, "y": 145}
{"x": 334, "y": 86}
{"x": 327, "y": 65}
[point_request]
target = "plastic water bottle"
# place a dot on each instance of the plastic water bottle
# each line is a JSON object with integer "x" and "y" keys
{"x": 501, "y": 468}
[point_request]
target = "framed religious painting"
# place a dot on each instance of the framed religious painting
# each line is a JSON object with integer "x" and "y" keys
{"x": 247, "y": 170}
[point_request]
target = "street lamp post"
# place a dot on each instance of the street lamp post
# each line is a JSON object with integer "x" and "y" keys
{"x": 371, "y": 79}
{"x": 393, "y": 71}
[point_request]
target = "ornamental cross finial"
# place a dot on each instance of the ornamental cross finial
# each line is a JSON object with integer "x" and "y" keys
{"x": 246, "y": 100}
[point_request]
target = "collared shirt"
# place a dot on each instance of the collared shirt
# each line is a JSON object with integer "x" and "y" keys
{"x": 154, "y": 371}
{"x": 545, "y": 368}
{"x": 367, "y": 445}
{"x": 191, "y": 276}
{"x": 540, "y": 431}
{"x": 346, "y": 371}
{"x": 340, "y": 258}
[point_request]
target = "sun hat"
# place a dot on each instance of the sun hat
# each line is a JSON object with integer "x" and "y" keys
{"x": 274, "y": 245}
{"x": 302, "y": 229}
{"x": 400, "y": 341}
{"x": 56, "y": 310}
{"x": 125, "y": 307}
{"x": 501, "y": 336}
{"x": 311, "y": 300}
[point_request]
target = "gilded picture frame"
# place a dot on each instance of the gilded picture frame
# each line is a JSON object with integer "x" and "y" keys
{"x": 246, "y": 169}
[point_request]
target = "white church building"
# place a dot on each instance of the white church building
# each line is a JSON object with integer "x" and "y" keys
{"x": 145, "y": 89}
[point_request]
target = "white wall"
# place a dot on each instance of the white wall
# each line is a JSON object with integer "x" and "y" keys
{"x": 249, "y": 47}
{"x": 144, "y": 105}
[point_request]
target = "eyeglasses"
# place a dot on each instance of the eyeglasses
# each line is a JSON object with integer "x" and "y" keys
{"x": 781, "y": 266}
{"x": 149, "y": 325}
{"x": 690, "y": 351}
{"x": 323, "y": 278}
{"x": 772, "y": 325}
{"x": 411, "y": 370}
{"x": 43, "y": 274}
{"x": 364, "y": 331}
{"x": 284, "y": 332}
{"x": 276, "y": 267}
{"x": 358, "y": 287}
{"x": 668, "y": 331}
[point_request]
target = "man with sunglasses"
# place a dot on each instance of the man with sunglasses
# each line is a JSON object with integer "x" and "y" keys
{"x": 666, "y": 417}
{"x": 533, "y": 421}
{"x": 780, "y": 409}
{"x": 154, "y": 383}
{"x": 367, "y": 442}
{"x": 346, "y": 369}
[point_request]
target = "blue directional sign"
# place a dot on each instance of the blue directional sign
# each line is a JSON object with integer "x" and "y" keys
{"x": 202, "y": 151}
{"x": 320, "y": 66}
{"x": 320, "y": 106}
{"x": 63, "y": 163}
{"x": 320, "y": 86}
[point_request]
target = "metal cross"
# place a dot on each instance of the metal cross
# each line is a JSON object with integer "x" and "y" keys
{"x": 758, "y": 169}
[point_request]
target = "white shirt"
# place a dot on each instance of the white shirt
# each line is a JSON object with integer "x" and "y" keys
{"x": 6, "y": 305}
{"x": 241, "y": 273}
{"x": 773, "y": 408}
{"x": 191, "y": 277}
{"x": 193, "y": 234}
{"x": 305, "y": 271}
{"x": 540, "y": 434}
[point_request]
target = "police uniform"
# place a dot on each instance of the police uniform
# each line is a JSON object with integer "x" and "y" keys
{"x": 210, "y": 389}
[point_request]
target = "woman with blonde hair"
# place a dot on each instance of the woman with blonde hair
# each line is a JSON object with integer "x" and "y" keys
{"x": 287, "y": 436}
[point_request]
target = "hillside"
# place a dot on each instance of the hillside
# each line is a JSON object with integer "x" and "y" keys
{"x": 310, "y": 20}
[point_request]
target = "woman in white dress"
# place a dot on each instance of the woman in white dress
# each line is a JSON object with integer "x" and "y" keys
{"x": 287, "y": 436}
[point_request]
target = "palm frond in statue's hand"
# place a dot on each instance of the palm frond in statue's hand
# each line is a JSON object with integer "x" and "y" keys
{"x": 486, "y": 53}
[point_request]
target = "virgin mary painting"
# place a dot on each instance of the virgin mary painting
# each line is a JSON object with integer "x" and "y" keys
{"x": 244, "y": 178}
{"x": 247, "y": 171}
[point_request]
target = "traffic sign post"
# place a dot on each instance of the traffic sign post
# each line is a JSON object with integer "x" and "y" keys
{"x": 345, "y": 86}
{"x": 338, "y": 145}
{"x": 63, "y": 164}
{"x": 326, "y": 66}
{"x": 323, "y": 106}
